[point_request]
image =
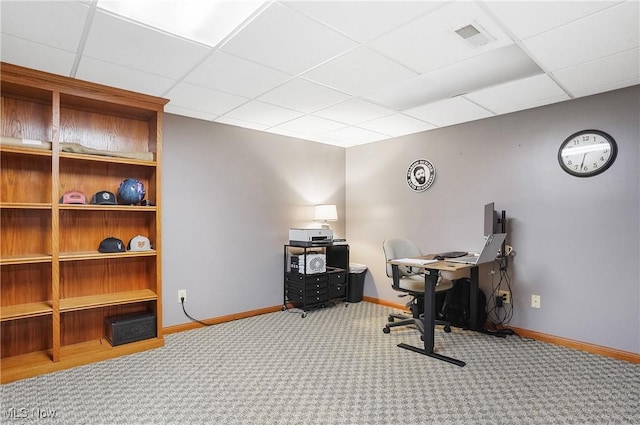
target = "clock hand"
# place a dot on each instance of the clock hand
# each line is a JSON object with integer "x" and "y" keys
{"x": 581, "y": 164}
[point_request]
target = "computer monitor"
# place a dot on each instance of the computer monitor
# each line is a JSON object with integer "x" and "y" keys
{"x": 490, "y": 219}
{"x": 495, "y": 222}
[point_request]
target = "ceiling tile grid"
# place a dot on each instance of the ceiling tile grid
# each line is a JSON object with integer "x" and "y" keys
{"x": 342, "y": 73}
{"x": 34, "y": 55}
{"x": 303, "y": 95}
{"x": 286, "y": 40}
{"x": 39, "y": 22}
{"x": 605, "y": 33}
{"x": 518, "y": 95}
{"x": 227, "y": 73}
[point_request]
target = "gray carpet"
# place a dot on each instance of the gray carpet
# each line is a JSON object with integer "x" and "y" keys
{"x": 335, "y": 366}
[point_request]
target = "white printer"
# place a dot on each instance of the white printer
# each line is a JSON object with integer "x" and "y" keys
{"x": 310, "y": 237}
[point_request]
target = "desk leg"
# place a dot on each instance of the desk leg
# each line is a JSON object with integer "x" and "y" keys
{"x": 473, "y": 299}
{"x": 429, "y": 317}
{"x": 430, "y": 282}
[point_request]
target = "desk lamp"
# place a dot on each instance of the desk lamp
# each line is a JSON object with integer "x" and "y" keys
{"x": 325, "y": 213}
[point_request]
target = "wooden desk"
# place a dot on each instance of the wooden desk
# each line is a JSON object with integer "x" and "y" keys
{"x": 431, "y": 271}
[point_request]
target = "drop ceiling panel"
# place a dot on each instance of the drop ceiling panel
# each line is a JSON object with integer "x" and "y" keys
{"x": 354, "y": 111}
{"x": 288, "y": 133}
{"x": 351, "y": 136}
{"x": 37, "y": 56}
{"x": 396, "y": 125}
{"x": 518, "y": 95}
{"x": 528, "y": 18}
{"x": 449, "y": 112}
{"x": 310, "y": 125}
{"x": 237, "y": 76}
{"x": 609, "y": 73}
{"x": 185, "y": 112}
{"x": 359, "y": 72}
{"x": 263, "y": 113}
{"x": 430, "y": 42}
{"x": 54, "y": 24}
{"x": 608, "y": 32}
{"x": 198, "y": 98}
{"x": 91, "y": 69}
{"x": 111, "y": 40}
{"x": 288, "y": 41}
{"x": 241, "y": 123}
{"x": 381, "y": 16}
{"x": 303, "y": 95}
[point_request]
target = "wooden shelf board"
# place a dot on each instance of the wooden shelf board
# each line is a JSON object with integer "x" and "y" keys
{"x": 26, "y": 366}
{"x": 24, "y": 151}
{"x": 25, "y": 259}
{"x": 32, "y": 364}
{"x": 96, "y": 255}
{"x": 25, "y": 205}
{"x": 108, "y": 159}
{"x": 21, "y": 311}
{"x": 101, "y": 347}
{"x": 95, "y": 301}
{"x": 127, "y": 208}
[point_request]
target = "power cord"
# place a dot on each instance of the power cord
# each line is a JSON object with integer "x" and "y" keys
{"x": 501, "y": 313}
{"x": 187, "y": 314}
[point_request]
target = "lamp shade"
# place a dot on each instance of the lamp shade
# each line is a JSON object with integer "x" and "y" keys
{"x": 326, "y": 213}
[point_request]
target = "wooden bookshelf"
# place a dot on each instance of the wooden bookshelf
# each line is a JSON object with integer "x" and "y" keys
{"x": 57, "y": 289}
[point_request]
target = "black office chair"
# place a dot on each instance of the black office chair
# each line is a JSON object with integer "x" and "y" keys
{"x": 411, "y": 282}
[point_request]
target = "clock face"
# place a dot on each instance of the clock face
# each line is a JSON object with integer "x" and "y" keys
{"x": 421, "y": 175}
{"x": 587, "y": 153}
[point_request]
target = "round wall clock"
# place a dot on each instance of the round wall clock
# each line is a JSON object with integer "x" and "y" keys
{"x": 420, "y": 175}
{"x": 587, "y": 153}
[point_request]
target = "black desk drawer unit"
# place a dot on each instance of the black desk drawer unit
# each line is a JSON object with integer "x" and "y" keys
{"x": 308, "y": 289}
{"x": 316, "y": 290}
{"x": 337, "y": 284}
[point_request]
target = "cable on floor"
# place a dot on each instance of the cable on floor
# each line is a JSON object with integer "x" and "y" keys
{"x": 192, "y": 319}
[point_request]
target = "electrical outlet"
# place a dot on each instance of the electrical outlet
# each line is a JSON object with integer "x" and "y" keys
{"x": 506, "y": 296}
{"x": 535, "y": 301}
{"x": 182, "y": 295}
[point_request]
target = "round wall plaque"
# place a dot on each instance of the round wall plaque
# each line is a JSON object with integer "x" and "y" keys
{"x": 420, "y": 175}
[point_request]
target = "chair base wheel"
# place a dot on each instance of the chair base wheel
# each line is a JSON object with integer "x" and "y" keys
{"x": 386, "y": 329}
{"x": 447, "y": 328}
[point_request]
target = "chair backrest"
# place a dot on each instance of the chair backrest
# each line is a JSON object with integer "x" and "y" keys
{"x": 400, "y": 248}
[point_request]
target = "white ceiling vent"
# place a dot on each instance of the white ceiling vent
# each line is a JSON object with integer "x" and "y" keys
{"x": 475, "y": 35}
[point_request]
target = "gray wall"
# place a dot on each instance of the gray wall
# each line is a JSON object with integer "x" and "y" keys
{"x": 229, "y": 197}
{"x": 230, "y": 194}
{"x": 577, "y": 239}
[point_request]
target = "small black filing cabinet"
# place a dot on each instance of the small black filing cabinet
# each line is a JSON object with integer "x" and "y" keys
{"x": 309, "y": 291}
